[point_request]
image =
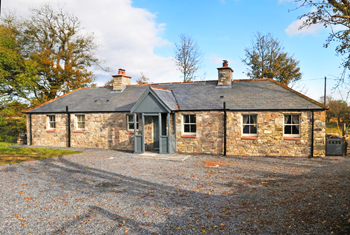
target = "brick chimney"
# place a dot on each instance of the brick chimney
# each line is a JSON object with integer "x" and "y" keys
{"x": 120, "y": 81}
{"x": 225, "y": 75}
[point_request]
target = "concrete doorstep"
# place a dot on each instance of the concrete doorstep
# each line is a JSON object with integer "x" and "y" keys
{"x": 157, "y": 156}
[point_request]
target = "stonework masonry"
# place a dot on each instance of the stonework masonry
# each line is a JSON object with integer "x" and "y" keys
{"x": 120, "y": 81}
{"x": 224, "y": 76}
{"x": 209, "y": 137}
{"x": 270, "y": 140}
{"x": 102, "y": 130}
{"x": 109, "y": 130}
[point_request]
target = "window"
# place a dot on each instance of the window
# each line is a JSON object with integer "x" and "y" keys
{"x": 130, "y": 121}
{"x": 292, "y": 125}
{"x": 81, "y": 122}
{"x": 52, "y": 122}
{"x": 250, "y": 125}
{"x": 189, "y": 125}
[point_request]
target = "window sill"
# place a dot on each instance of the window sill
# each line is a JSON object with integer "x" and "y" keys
{"x": 51, "y": 131}
{"x": 291, "y": 138}
{"x": 79, "y": 131}
{"x": 249, "y": 138}
{"x": 188, "y": 136}
{"x": 129, "y": 132}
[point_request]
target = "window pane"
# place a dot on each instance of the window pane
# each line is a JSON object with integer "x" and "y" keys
{"x": 131, "y": 118}
{"x": 253, "y": 129}
{"x": 287, "y": 119}
{"x": 131, "y": 126}
{"x": 187, "y": 128}
{"x": 193, "y": 128}
{"x": 245, "y": 129}
{"x": 253, "y": 119}
{"x": 193, "y": 118}
{"x": 81, "y": 125}
{"x": 287, "y": 130}
{"x": 186, "y": 118}
{"x": 295, "y": 119}
{"x": 52, "y": 125}
{"x": 245, "y": 119}
{"x": 295, "y": 129}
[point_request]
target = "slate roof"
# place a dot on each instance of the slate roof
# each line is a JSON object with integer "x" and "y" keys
{"x": 167, "y": 97}
{"x": 258, "y": 94}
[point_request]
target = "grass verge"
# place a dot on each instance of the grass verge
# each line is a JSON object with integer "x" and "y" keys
{"x": 11, "y": 155}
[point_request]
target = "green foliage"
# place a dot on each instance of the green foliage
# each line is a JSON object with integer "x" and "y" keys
{"x": 11, "y": 155}
{"x": 266, "y": 59}
{"x": 334, "y": 14}
{"x": 16, "y": 72}
{"x": 12, "y": 121}
{"x": 45, "y": 55}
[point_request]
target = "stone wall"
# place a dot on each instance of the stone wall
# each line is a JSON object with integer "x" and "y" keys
{"x": 109, "y": 130}
{"x": 270, "y": 140}
{"x": 320, "y": 134}
{"x": 209, "y": 137}
{"x": 102, "y": 130}
{"x": 41, "y": 136}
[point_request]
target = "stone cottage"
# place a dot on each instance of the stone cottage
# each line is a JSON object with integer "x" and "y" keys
{"x": 259, "y": 117}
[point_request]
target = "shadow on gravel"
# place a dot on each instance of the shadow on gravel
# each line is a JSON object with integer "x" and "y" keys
{"x": 273, "y": 203}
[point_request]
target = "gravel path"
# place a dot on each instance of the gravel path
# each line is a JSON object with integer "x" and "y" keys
{"x": 111, "y": 192}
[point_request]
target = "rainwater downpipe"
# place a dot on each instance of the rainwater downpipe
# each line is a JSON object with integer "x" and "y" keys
{"x": 68, "y": 127}
{"x": 30, "y": 130}
{"x": 312, "y": 133}
{"x": 225, "y": 117}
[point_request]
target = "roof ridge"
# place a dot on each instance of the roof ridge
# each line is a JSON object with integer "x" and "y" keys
{"x": 251, "y": 79}
{"x": 169, "y": 83}
{"x": 160, "y": 88}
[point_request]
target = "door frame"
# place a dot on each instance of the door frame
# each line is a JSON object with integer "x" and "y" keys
{"x": 159, "y": 115}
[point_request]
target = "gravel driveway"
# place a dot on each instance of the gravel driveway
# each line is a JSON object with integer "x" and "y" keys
{"x": 111, "y": 192}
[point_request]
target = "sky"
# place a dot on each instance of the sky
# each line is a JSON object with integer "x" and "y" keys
{"x": 139, "y": 36}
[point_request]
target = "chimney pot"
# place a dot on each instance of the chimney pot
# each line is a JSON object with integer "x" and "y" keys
{"x": 225, "y": 63}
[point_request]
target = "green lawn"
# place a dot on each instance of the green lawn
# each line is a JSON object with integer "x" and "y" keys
{"x": 11, "y": 155}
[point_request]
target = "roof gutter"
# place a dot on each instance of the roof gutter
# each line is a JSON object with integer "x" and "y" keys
{"x": 189, "y": 110}
{"x": 68, "y": 127}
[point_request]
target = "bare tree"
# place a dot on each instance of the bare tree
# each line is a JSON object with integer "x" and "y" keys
{"x": 143, "y": 79}
{"x": 188, "y": 57}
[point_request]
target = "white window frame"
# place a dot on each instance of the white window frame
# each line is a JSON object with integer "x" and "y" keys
{"x": 128, "y": 122}
{"x": 77, "y": 121}
{"x": 49, "y": 122}
{"x": 256, "y": 124}
{"x": 284, "y": 124}
{"x": 189, "y": 123}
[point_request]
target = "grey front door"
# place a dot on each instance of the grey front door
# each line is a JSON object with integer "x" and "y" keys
{"x": 156, "y": 132}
